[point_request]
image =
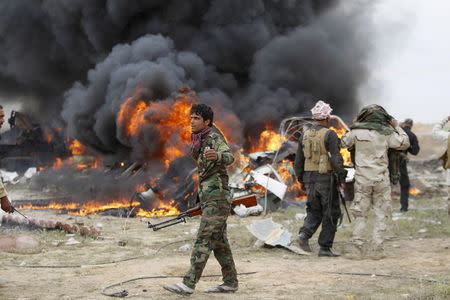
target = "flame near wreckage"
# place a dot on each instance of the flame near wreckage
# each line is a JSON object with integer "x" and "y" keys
{"x": 171, "y": 120}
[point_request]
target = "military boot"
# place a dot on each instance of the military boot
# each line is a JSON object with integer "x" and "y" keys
{"x": 179, "y": 288}
{"x": 303, "y": 242}
{"x": 327, "y": 252}
{"x": 223, "y": 288}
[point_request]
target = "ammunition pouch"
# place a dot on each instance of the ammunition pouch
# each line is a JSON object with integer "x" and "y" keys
{"x": 316, "y": 155}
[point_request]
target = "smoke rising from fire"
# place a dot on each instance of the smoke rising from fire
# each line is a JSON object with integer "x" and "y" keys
{"x": 256, "y": 61}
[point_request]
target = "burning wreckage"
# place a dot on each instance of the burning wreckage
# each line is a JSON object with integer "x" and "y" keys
{"x": 139, "y": 189}
{"x": 266, "y": 175}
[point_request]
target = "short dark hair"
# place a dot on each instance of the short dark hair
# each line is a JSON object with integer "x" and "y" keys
{"x": 1, "y": 106}
{"x": 203, "y": 110}
{"x": 409, "y": 121}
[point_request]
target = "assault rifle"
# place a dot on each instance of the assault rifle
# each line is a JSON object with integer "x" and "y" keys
{"x": 247, "y": 201}
{"x": 17, "y": 211}
{"x": 336, "y": 182}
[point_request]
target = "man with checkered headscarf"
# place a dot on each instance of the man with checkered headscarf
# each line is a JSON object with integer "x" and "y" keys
{"x": 317, "y": 157}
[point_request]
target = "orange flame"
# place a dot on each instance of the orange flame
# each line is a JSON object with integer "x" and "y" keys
{"x": 414, "y": 191}
{"x": 132, "y": 115}
{"x": 93, "y": 207}
{"x": 48, "y": 135}
{"x": 163, "y": 210}
{"x": 269, "y": 140}
{"x": 83, "y": 209}
{"x": 77, "y": 148}
{"x": 57, "y": 164}
{"x": 170, "y": 118}
{"x": 344, "y": 152}
{"x": 294, "y": 187}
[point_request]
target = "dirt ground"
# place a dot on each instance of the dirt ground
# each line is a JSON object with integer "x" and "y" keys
{"x": 419, "y": 246}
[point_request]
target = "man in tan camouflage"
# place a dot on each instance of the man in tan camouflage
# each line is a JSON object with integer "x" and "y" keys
{"x": 371, "y": 136}
{"x": 443, "y": 136}
{"x": 213, "y": 155}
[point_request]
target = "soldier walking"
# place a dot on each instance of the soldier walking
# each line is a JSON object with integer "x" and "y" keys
{"x": 317, "y": 157}
{"x": 371, "y": 136}
{"x": 212, "y": 155}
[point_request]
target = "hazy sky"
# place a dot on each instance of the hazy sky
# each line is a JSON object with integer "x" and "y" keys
{"x": 412, "y": 68}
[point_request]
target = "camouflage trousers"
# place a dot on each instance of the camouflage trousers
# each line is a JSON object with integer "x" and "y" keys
{"x": 212, "y": 236}
{"x": 368, "y": 194}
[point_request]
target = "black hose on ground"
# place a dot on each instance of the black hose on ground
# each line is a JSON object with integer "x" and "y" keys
{"x": 124, "y": 293}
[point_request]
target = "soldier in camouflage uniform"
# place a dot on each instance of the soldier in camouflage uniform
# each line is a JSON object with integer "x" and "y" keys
{"x": 371, "y": 136}
{"x": 213, "y": 155}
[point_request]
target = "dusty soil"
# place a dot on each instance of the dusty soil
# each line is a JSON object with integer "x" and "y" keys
{"x": 419, "y": 246}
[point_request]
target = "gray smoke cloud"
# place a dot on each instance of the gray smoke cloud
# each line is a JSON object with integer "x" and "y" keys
{"x": 260, "y": 60}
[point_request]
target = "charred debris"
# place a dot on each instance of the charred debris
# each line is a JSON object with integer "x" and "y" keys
{"x": 71, "y": 180}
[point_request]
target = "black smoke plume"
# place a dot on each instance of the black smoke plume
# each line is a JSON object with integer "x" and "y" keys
{"x": 257, "y": 61}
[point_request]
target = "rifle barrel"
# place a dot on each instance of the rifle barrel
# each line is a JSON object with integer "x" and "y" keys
{"x": 16, "y": 210}
{"x": 178, "y": 219}
{"x": 159, "y": 226}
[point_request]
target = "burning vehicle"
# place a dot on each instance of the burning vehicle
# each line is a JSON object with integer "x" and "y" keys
{"x": 164, "y": 183}
{"x": 30, "y": 144}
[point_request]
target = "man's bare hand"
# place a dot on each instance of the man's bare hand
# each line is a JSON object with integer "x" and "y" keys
{"x": 393, "y": 122}
{"x": 210, "y": 154}
{"x": 6, "y": 205}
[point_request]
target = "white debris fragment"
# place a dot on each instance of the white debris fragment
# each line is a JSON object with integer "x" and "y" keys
{"x": 185, "y": 248}
{"x": 193, "y": 231}
{"x": 271, "y": 233}
{"x": 256, "y": 155}
{"x": 350, "y": 175}
{"x": 10, "y": 177}
{"x": 72, "y": 241}
{"x": 267, "y": 170}
{"x": 433, "y": 222}
{"x": 300, "y": 216}
{"x": 423, "y": 230}
{"x": 57, "y": 243}
{"x": 243, "y": 211}
{"x": 30, "y": 173}
{"x": 276, "y": 187}
{"x": 99, "y": 225}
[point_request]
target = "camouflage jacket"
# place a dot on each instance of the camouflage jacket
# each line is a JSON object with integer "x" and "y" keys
{"x": 213, "y": 174}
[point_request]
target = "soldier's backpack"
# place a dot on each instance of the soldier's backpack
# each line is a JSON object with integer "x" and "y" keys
{"x": 396, "y": 158}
